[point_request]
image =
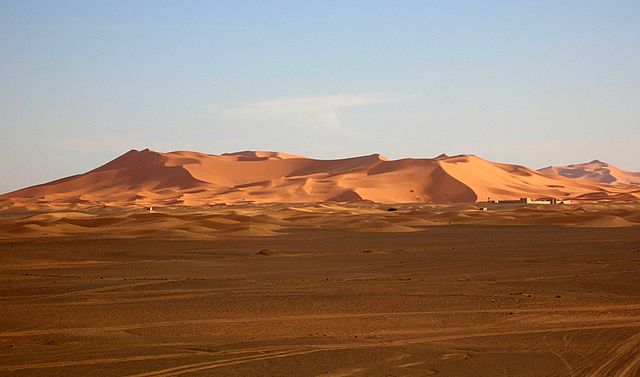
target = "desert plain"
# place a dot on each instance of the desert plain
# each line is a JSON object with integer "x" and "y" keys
{"x": 272, "y": 264}
{"x": 323, "y": 289}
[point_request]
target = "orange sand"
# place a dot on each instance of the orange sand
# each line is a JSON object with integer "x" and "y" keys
{"x": 151, "y": 178}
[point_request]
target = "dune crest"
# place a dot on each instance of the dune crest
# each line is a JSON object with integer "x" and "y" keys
{"x": 151, "y": 178}
{"x": 261, "y": 155}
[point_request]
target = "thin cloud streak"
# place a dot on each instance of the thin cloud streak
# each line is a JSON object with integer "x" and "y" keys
{"x": 320, "y": 112}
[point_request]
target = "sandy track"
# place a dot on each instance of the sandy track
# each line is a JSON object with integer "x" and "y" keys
{"x": 625, "y": 356}
{"x": 622, "y": 361}
{"x": 542, "y": 313}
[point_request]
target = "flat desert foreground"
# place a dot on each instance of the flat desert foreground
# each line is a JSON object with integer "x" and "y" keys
{"x": 321, "y": 290}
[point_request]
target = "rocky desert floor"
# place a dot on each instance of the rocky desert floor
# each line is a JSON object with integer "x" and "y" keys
{"x": 320, "y": 290}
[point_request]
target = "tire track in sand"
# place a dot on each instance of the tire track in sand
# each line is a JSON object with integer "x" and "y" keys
{"x": 304, "y": 350}
{"x": 190, "y": 352}
{"x": 72, "y": 363}
{"x": 627, "y": 355}
{"x": 136, "y": 326}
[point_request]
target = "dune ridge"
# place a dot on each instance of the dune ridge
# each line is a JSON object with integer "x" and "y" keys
{"x": 264, "y": 220}
{"x": 151, "y": 178}
{"x": 595, "y": 171}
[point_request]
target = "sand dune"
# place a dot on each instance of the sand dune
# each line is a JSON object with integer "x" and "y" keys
{"x": 595, "y": 171}
{"x": 277, "y": 219}
{"x": 149, "y": 178}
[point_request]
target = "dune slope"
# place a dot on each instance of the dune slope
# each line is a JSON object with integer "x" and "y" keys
{"x": 595, "y": 171}
{"x": 190, "y": 178}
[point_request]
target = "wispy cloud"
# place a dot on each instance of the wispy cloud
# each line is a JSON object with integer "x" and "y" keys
{"x": 318, "y": 111}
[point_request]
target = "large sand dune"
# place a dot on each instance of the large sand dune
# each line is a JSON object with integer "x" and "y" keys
{"x": 190, "y": 178}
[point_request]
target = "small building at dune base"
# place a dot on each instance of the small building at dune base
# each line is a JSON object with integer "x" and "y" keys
{"x": 532, "y": 201}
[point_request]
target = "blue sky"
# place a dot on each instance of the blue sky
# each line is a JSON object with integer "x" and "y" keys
{"x": 529, "y": 82}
